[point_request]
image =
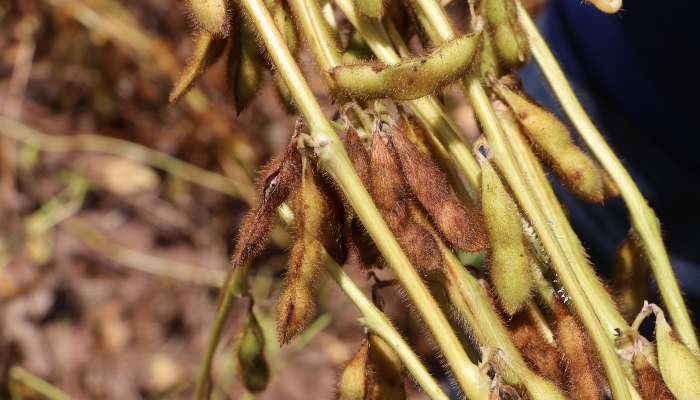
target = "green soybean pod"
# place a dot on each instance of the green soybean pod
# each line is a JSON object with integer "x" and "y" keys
{"x": 508, "y": 263}
{"x": 207, "y": 50}
{"x": 412, "y": 78}
{"x": 244, "y": 66}
{"x": 211, "y": 15}
{"x": 508, "y": 36}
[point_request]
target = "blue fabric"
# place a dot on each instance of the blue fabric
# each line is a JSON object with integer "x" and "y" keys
{"x": 637, "y": 74}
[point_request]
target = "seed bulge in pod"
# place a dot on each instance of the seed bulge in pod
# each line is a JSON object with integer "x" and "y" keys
{"x": 679, "y": 367}
{"x": 411, "y": 78}
{"x": 357, "y": 375}
{"x": 585, "y": 381}
{"x": 461, "y": 226}
{"x": 296, "y": 305}
{"x": 553, "y": 143}
{"x": 244, "y": 70}
{"x": 508, "y": 262}
{"x": 651, "y": 383}
{"x": 388, "y": 381}
{"x": 211, "y": 15}
{"x": 390, "y": 193}
{"x": 509, "y": 37}
{"x": 253, "y": 368}
{"x": 207, "y": 50}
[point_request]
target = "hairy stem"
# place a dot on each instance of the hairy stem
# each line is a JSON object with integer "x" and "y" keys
{"x": 334, "y": 160}
{"x": 642, "y": 216}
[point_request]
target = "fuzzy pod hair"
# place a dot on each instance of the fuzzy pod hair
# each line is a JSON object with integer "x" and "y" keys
{"x": 509, "y": 39}
{"x": 462, "y": 227}
{"x": 508, "y": 262}
{"x": 296, "y": 304}
{"x": 586, "y": 382}
{"x": 679, "y": 366}
{"x": 535, "y": 349}
{"x": 553, "y": 143}
{"x": 390, "y": 193}
{"x": 651, "y": 383}
{"x": 211, "y": 15}
{"x": 207, "y": 50}
{"x": 388, "y": 383}
{"x": 367, "y": 252}
{"x": 356, "y": 379}
{"x": 411, "y": 78}
{"x": 276, "y": 181}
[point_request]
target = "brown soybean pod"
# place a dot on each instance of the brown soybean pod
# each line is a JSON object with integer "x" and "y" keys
{"x": 461, "y": 226}
{"x": 390, "y": 193}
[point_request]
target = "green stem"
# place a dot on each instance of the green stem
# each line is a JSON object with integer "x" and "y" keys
{"x": 439, "y": 29}
{"x": 642, "y": 216}
{"x": 236, "y": 286}
{"x": 334, "y": 160}
{"x": 378, "y": 323}
{"x": 504, "y": 158}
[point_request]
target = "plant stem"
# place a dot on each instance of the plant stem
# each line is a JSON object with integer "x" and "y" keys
{"x": 334, "y": 160}
{"x": 236, "y": 286}
{"x": 642, "y": 216}
{"x": 439, "y": 29}
{"x": 378, "y": 323}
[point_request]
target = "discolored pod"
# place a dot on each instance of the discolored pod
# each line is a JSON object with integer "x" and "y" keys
{"x": 679, "y": 367}
{"x": 366, "y": 250}
{"x": 651, "y": 384}
{"x": 211, "y": 15}
{"x": 207, "y": 50}
{"x": 585, "y": 381}
{"x": 244, "y": 69}
{"x": 252, "y": 364}
{"x": 412, "y": 78}
{"x": 508, "y": 35}
{"x": 534, "y": 348}
{"x": 296, "y": 305}
{"x": 508, "y": 263}
{"x": 274, "y": 184}
{"x": 390, "y": 193}
{"x": 461, "y": 226}
{"x": 577, "y": 171}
